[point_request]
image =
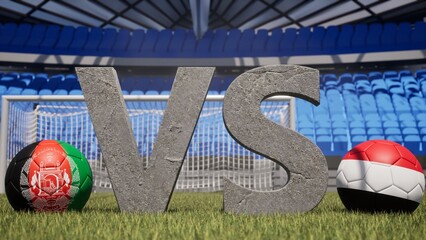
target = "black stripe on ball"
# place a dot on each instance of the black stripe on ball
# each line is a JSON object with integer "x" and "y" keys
{"x": 359, "y": 200}
{"x": 13, "y": 176}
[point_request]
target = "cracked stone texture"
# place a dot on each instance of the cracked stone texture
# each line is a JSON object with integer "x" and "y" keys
{"x": 304, "y": 162}
{"x": 136, "y": 189}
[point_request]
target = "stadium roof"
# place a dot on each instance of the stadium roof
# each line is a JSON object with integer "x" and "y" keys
{"x": 210, "y": 14}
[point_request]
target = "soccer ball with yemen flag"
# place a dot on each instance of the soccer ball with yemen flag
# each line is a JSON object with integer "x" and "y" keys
{"x": 48, "y": 175}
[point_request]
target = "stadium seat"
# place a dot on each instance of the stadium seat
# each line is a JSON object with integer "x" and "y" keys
{"x": 218, "y": 42}
{"x": 344, "y": 39}
{"x": 394, "y": 86}
{"x": 121, "y": 42}
{"x": 203, "y": 45}
{"x": 246, "y": 43}
{"x": 149, "y": 43}
{"x": 315, "y": 42}
{"x": 324, "y": 142}
{"x": 162, "y": 46}
{"x": 287, "y": 41}
{"x": 358, "y": 140}
{"x": 378, "y": 86}
{"x": 79, "y": 40}
{"x": 418, "y": 36}
{"x": 384, "y": 103}
{"x": 231, "y": 43}
{"x": 400, "y": 103}
{"x": 50, "y": 39}
{"x": 418, "y": 104}
{"x": 413, "y": 143}
{"x": 108, "y": 39}
{"x": 388, "y": 37}
{"x": 373, "y": 41}
{"x": 7, "y": 34}
{"x": 259, "y": 43}
{"x": 65, "y": 38}
{"x": 329, "y": 41}
{"x": 273, "y": 42}
{"x": 358, "y": 41}
{"x": 403, "y": 36}
{"x": 21, "y": 37}
{"x": 176, "y": 43}
{"x": 135, "y": 43}
{"x": 36, "y": 37}
{"x": 300, "y": 45}
{"x": 188, "y": 49}
{"x": 94, "y": 39}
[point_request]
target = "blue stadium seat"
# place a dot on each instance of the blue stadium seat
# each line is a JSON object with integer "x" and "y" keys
{"x": 188, "y": 49}
{"x": 418, "y": 36}
{"x": 259, "y": 43}
{"x": 390, "y": 124}
{"x": 163, "y": 43}
{"x": 287, "y": 41}
{"x": 340, "y": 144}
{"x": 360, "y": 76}
{"x": 218, "y": 42}
{"x": 345, "y": 78}
{"x": 373, "y": 41}
{"x": 421, "y": 73}
{"x": 65, "y": 39}
{"x": 108, "y": 39}
{"x": 21, "y": 37}
{"x": 355, "y": 119}
{"x": 418, "y": 104}
{"x": 121, "y": 42}
{"x": 394, "y": 86}
{"x": 379, "y": 86}
{"x": 274, "y": 41}
{"x": 374, "y": 76}
{"x": 203, "y": 45}
{"x": 403, "y": 36}
{"x": 358, "y": 41}
{"x": 94, "y": 39}
{"x": 50, "y": 39}
{"x": 300, "y": 45}
{"x": 388, "y": 37}
{"x": 358, "y": 139}
{"x": 315, "y": 42}
{"x": 148, "y": 45}
{"x": 176, "y": 43}
{"x": 36, "y": 37}
{"x": 363, "y": 87}
{"x": 79, "y": 40}
{"x": 368, "y": 103}
{"x": 400, "y": 103}
{"x": 231, "y": 43}
{"x": 7, "y": 34}
{"x": 329, "y": 42}
{"x": 413, "y": 143}
{"x": 405, "y": 73}
{"x": 51, "y": 85}
{"x": 344, "y": 39}
{"x": 324, "y": 142}
{"x": 246, "y": 43}
{"x": 395, "y": 138}
{"x": 384, "y": 103}
{"x": 390, "y": 74}
{"x": 135, "y": 43}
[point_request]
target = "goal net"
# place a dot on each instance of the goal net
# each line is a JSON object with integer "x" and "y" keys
{"x": 212, "y": 153}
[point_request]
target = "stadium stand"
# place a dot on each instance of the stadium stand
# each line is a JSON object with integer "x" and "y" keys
{"x": 83, "y": 41}
{"x": 372, "y": 105}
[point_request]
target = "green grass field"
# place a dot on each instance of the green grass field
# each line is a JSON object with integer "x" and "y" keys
{"x": 200, "y": 216}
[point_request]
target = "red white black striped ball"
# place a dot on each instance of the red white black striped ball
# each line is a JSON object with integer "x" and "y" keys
{"x": 380, "y": 175}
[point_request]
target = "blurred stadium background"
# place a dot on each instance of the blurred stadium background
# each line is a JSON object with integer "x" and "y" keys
{"x": 371, "y": 56}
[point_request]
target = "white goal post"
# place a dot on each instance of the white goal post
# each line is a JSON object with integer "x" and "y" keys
{"x": 211, "y": 155}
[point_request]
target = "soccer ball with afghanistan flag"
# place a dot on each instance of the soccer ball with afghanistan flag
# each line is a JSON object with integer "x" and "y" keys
{"x": 48, "y": 175}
